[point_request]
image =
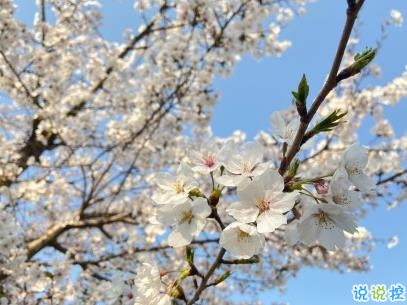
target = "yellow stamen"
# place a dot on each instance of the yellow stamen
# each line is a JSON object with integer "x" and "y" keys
{"x": 179, "y": 187}
{"x": 187, "y": 216}
{"x": 243, "y": 236}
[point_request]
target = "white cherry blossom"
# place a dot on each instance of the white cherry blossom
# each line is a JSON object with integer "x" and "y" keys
{"x": 263, "y": 201}
{"x": 207, "y": 159}
{"x": 283, "y": 130}
{"x": 241, "y": 163}
{"x": 396, "y": 18}
{"x": 354, "y": 161}
{"x": 325, "y": 224}
{"x": 242, "y": 240}
{"x": 148, "y": 288}
{"x": 175, "y": 189}
{"x": 340, "y": 193}
{"x": 188, "y": 219}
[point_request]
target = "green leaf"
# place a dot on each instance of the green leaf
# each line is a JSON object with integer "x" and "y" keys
{"x": 361, "y": 60}
{"x": 296, "y": 95}
{"x": 301, "y": 97}
{"x": 303, "y": 89}
{"x": 364, "y": 58}
{"x": 292, "y": 171}
{"x": 190, "y": 255}
{"x": 329, "y": 123}
{"x": 223, "y": 277}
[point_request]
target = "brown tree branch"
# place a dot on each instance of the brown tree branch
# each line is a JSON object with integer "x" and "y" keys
{"x": 392, "y": 177}
{"x": 204, "y": 283}
{"x": 51, "y": 235}
{"x": 331, "y": 82}
{"x": 126, "y": 252}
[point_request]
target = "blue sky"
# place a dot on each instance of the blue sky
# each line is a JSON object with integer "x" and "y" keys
{"x": 259, "y": 87}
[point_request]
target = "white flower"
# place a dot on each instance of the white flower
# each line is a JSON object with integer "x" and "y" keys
{"x": 393, "y": 242}
{"x": 283, "y": 130}
{"x": 241, "y": 163}
{"x": 263, "y": 201}
{"x": 354, "y": 162}
{"x": 339, "y": 192}
{"x": 325, "y": 224}
{"x": 361, "y": 234}
{"x": 188, "y": 218}
{"x": 396, "y": 18}
{"x": 148, "y": 288}
{"x": 242, "y": 240}
{"x": 205, "y": 160}
{"x": 175, "y": 189}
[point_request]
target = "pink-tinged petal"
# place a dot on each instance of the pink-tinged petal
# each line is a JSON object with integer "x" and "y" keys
{"x": 205, "y": 169}
{"x": 321, "y": 186}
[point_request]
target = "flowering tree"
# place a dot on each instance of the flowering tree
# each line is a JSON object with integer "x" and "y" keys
{"x": 113, "y": 189}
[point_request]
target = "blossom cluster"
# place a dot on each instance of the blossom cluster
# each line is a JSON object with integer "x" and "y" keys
{"x": 311, "y": 211}
{"x": 265, "y": 202}
{"x": 144, "y": 288}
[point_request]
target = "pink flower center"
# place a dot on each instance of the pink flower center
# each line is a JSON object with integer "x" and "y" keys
{"x": 321, "y": 186}
{"x": 209, "y": 161}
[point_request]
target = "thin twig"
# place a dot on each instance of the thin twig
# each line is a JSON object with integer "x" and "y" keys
{"x": 352, "y": 13}
{"x": 204, "y": 282}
